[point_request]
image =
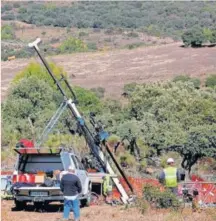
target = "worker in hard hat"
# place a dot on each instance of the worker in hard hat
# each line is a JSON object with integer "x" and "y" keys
{"x": 170, "y": 176}
{"x": 107, "y": 188}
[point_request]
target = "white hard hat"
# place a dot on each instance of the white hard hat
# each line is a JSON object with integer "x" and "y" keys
{"x": 170, "y": 160}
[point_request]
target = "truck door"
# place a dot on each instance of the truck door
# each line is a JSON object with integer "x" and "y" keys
{"x": 81, "y": 173}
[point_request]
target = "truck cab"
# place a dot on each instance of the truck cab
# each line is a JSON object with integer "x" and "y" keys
{"x": 34, "y": 178}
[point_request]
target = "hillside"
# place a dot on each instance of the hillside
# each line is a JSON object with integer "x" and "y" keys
{"x": 112, "y": 69}
{"x": 157, "y": 18}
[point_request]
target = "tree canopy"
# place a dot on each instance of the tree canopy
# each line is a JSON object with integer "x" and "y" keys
{"x": 34, "y": 97}
{"x": 172, "y": 116}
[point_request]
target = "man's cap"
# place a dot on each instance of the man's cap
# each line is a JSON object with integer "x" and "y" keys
{"x": 70, "y": 168}
{"x": 170, "y": 160}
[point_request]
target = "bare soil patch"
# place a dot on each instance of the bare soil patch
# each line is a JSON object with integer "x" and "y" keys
{"x": 105, "y": 213}
{"x": 113, "y": 69}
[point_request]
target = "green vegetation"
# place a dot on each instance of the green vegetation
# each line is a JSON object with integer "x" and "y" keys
{"x": 129, "y": 88}
{"x": 92, "y": 46}
{"x": 167, "y": 117}
{"x": 160, "y": 199}
{"x": 186, "y": 78}
{"x": 7, "y": 32}
{"x": 135, "y": 45}
{"x": 211, "y": 81}
{"x": 142, "y": 205}
{"x": 99, "y": 91}
{"x": 38, "y": 71}
{"x": 127, "y": 159}
{"x": 196, "y": 36}
{"x": 174, "y": 116}
{"x": 7, "y": 51}
{"x": 155, "y": 18}
{"x": 33, "y": 97}
{"x": 213, "y": 37}
{"x": 73, "y": 45}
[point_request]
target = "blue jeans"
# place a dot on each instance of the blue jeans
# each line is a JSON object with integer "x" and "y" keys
{"x": 74, "y": 205}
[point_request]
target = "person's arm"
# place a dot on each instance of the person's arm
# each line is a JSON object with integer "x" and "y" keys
{"x": 79, "y": 186}
{"x": 62, "y": 184}
{"x": 162, "y": 177}
{"x": 178, "y": 175}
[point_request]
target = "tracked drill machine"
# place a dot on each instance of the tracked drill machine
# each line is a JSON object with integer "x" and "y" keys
{"x": 96, "y": 140}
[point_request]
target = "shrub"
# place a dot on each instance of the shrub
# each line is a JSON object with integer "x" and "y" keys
{"x": 16, "y": 5}
{"x": 211, "y": 81}
{"x": 8, "y": 17}
{"x": 213, "y": 37}
{"x": 143, "y": 164}
{"x": 194, "y": 37}
{"x": 7, "y": 32}
{"x": 160, "y": 199}
{"x": 129, "y": 88}
{"x": 87, "y": 100}
{"x": 82, "y": 34}
{"x": 113, "y": 139}
{"x": 99, "y": 91}
{"x": 196, "y": 82}
{"x": 7, "y": 7}
{"x": 182, "y": 78}
{"x": 73, "y": 45}
{"x": 127, "y": 159}
{"x": 35, "y": 69}
{"x": 22, "y": 10}
{"x": 142, "y": 205}
{"x": 135, "y": 45}
{"x": 132, "y": 35}
{"x": 92, "y": 46}
{"x": 68, "y": 29}
{"x": 108, "y": 39}
{"x": 109, "y": 31}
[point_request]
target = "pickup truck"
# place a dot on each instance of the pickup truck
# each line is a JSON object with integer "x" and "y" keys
{"x": 41, "y": 192}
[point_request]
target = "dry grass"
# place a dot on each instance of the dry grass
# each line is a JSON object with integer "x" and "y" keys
{"x": 113, "y": 69}
{"x": 108, "y": 213}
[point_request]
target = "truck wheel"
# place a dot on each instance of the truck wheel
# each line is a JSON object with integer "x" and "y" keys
{"x": 38, "y": 205}
{"x": 85, "y": 202}
{"x": 20, "y": 205}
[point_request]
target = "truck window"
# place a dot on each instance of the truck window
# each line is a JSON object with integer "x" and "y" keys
{"x": 81, "y": 167}
{"x": 66, "y": 160}
{"x": 75, "y": 162}
{"x": 46, "y": 163}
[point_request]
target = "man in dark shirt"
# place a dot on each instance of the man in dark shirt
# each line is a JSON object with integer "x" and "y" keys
{"x": 71, "y": 187}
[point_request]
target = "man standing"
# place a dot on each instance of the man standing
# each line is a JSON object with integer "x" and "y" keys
{"x": 170, "y": 176}
{"x": 71, "y": 187}
{"x": 107, "y": 188}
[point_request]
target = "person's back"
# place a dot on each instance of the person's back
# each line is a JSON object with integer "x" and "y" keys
{"x": 70, "y": 184}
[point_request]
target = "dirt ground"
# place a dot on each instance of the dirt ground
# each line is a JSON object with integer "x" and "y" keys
{"x": 105, "y": 213}
{"x": 113, "y": 69}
